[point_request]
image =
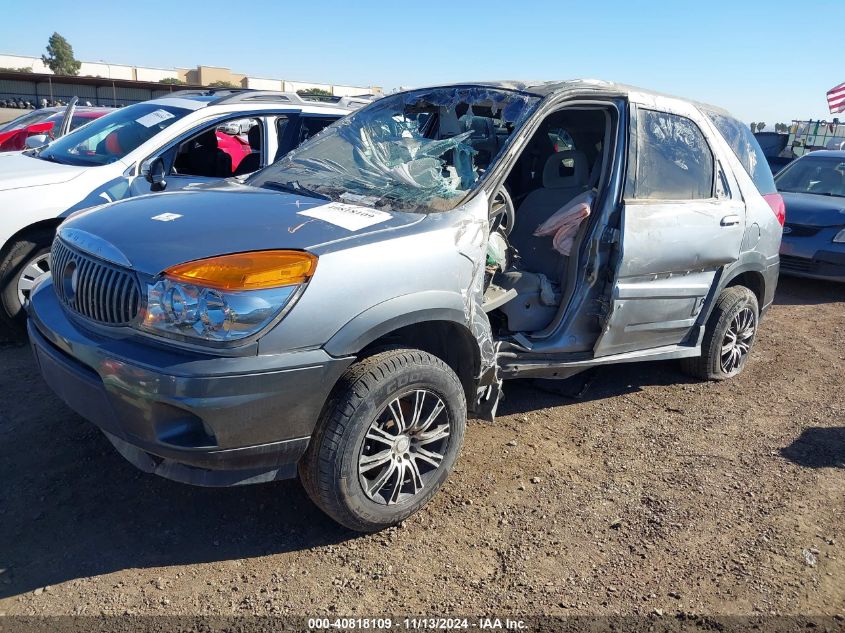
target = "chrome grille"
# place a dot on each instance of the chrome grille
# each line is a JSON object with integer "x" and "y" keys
{"x": 97, "y": 290}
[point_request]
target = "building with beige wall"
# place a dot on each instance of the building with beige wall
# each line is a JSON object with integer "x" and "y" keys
{"x": 20, "y": 61}
{"x": 199, "y": 76}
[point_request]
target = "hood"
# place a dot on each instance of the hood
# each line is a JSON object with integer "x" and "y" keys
{"x": 813, "y": 210}
{"x": 17, "y": 170}
{"x": 154, "y": 232}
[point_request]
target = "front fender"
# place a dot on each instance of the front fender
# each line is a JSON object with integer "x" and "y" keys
{"x": 390, "y": 315}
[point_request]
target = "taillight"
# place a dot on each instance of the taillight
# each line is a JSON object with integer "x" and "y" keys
{"x": 775, "y": 201}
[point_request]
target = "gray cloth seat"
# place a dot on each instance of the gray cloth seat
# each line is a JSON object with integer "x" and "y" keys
{"x": 565, "y": 175}
{"x": 541, "y": 268}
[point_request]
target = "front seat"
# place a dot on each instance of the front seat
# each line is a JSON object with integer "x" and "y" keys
{"x": 252, "y": 161}
{"x": 207, "y": 159}
{"x": 537, "y": 281}
{"x": 561, "y": 183}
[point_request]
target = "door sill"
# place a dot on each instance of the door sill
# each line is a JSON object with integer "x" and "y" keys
{"x": 554, "y": 368}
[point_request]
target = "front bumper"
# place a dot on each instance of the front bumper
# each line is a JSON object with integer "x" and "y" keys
{"x": 200, "y": 419}
{"x": 816, "y": 257}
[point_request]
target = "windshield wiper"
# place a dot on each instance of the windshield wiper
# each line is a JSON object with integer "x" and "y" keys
{"x": 49, "y": 158}
{"x": 295, "y": 188}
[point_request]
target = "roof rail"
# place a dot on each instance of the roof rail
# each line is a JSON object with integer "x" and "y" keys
{"x": 269, "y": 96}
{"x": 356, "y": 101}
{"x": 274, "y": 96}
{"x": 205, "y": 92}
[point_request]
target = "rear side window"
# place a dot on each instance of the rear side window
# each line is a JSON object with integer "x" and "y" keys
{"x": 311, "y": 126}
{"x": 674, "y": 161}
{"x": 746, "y": 148}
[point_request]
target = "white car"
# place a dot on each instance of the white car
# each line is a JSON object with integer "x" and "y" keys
{"x": 167, "y": 143}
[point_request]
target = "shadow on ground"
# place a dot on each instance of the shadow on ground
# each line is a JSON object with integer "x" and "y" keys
{"x": 89, "y": 513}
{"x": 799, "y": 291}
{"x": 522, "y": 396}
{"x": 71, "y": 507}
{"x": 818, "y": 447}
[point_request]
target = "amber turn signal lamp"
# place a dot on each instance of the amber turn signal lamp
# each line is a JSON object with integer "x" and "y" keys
{"x": 247, "y": 271}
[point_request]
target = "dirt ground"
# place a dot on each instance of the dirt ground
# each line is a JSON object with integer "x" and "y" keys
{"x": 650, "y": 494}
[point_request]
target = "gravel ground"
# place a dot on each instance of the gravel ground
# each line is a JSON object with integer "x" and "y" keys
{"x": 649, "y": 494}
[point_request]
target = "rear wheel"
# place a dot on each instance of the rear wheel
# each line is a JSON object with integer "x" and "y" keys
{"x": 387, "y": 439}
{"x": 21, "y": 264}
{"x": 728, "y": 338}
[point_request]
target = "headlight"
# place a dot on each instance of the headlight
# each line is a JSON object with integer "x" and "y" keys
{"x": 225, "y": 298}
{"x": 839, "y": 238}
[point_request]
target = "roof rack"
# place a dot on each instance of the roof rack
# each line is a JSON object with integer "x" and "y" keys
{"x": 356, "y": 101}
{"x": 273, "y": 96}
{"x": 205, "y": 92}
{"x": 251, "y": 95}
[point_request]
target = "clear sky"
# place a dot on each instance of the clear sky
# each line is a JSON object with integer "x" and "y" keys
{"x": 765, "y": 60}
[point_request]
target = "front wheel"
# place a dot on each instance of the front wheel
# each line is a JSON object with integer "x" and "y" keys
{"x": 386, "y": 441}
{"x": 728, "y": 337}
{"x": 21, "y": 264}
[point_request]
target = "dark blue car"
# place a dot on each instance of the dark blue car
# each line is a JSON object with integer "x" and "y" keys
{"x": 813, "y": 188}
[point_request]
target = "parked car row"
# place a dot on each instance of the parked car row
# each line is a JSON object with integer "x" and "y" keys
{"x": 813, "y": 187}
{"x": 346, "y": 296}
{"x": 185, "y": 138}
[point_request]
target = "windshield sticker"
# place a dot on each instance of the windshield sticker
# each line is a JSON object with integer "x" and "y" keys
{"x": 166, "y": 217}
{"x": 347, "y": 216}
{"x": 155, "y": 117}
{"x": 358, "y": 198}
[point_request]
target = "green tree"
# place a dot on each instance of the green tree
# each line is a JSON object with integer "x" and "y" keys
{"x": 315, "y": 92}
{"x": 761, "y": 127}
{"x": 173, "y": 81}
{"x": 221, "y": 84}
{"x": 60, "y": 57}
{"x": 753, "y": 126}
{"x": 24, "y": 69}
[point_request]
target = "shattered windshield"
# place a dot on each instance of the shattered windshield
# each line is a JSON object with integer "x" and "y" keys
{"x": 417, "y": 151}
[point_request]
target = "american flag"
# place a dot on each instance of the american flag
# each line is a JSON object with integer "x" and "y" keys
{"x": 836, "y": 99}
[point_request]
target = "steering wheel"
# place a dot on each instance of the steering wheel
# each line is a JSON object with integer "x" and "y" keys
{"x": 502, "y": 214}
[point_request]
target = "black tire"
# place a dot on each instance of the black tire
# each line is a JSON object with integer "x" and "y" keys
{"x": 329, "y": 470}
{"x": 13, "y": 259}
{"x": 730, "y": 303}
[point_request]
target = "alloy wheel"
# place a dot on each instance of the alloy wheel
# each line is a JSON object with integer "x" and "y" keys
{"x": 737, "y": 341}
{"x": 404, "y": 447}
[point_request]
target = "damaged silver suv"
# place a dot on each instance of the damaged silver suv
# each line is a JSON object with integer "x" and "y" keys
{"x": 340, "y": 312}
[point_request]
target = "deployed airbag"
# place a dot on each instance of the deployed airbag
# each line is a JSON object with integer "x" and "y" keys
{"x": 564, "y": 224}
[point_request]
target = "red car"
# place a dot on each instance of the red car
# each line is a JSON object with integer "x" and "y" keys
{"x": 47, "y": 121}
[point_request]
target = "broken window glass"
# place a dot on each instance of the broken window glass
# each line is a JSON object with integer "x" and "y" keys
{"x": 417, "y": 151}
{"x": 674, "y": 161}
